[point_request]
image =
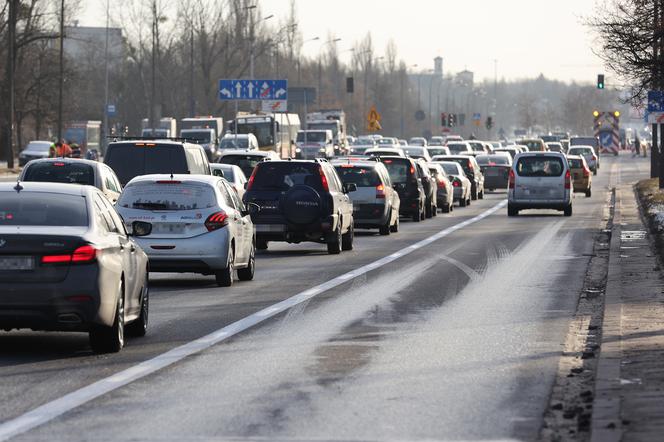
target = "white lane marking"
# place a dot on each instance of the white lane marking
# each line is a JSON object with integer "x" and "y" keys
{"x": 57, "y": 407}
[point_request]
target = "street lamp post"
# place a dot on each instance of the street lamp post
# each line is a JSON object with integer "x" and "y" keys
{"x": 320, "y": 70}
{"x": 299, "y": 70}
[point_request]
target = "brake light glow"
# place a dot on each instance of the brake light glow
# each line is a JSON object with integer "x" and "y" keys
{"x": 216, "y": 221}
{"x": 251, "y": 178}
{"x": 323, "y": 179}
{"x": 58, "y": 164}
{"x": 412, "y": 170}
{"x": 586, "y": 171}
{"x": 81, "y": 255}
{"x": 380, "y": 191}
{"x": 512, "y": 179}
{"x": 441, "y": 183}
{"x": 456, "y": 183}
{"x": 568, "y": 180}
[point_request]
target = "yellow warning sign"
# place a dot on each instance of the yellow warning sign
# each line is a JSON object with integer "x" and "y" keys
{"x": 373, "y": 115}
{"x": 373, "y": 126}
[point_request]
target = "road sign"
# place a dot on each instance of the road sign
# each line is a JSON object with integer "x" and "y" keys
{"x": 275, "y": 106}
{"x": 374, "y": 126}
{"x": 300, "y": 95}
{"x": 253, "y": 90}
{"x": 655, "y": 101}
{"x": 111, "y": 110}
{"x": 656, "y": 117}
{"x": 477, "y": 116}
{"x": 373, "y": 115}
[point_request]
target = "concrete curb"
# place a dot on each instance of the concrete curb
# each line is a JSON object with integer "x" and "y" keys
{"x": 606, "y": 423}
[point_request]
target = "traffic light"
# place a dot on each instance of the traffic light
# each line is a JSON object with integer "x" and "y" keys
{"x": 489, "y": 123}
{"x": 443, "y": 119}
{"x": 600, "y": 81}
{"x": 451, "y": 120}
{"x": 350, "y": 85}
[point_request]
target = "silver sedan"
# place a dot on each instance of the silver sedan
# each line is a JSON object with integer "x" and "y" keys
{"x": 460, "y": 182}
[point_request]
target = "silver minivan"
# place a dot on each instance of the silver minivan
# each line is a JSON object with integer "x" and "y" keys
{"x": 540, "y": 180}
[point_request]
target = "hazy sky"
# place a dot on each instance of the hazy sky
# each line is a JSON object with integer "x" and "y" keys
{"x": 526, "y": 37}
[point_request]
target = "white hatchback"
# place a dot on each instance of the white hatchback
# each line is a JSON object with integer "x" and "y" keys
{"x": 199, "y": 225}
{"x": 540, "y": 180}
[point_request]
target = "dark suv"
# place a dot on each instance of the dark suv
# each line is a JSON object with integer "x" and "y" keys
{"x": 473, "y": 172}
{"x": 406, "y": 179}
{"x": 301, "y": 201}
{"x": 429, "y": 185}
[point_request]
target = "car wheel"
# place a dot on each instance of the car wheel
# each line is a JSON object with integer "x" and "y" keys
{"x": 568, "y": 210}
{"x": 434, "y": 211}
{"x": 511, "y": 211}
{"x": 427, "y": 211}
{"x": 395, "y": 227}
{"x": 261, "y": 244}
{"x": 481, "y": 195}
{"x": 417, "y": 218}
{"x": 462, "y": 202}
{"x": 423, "y": 214}
{"x": 446, "y": 208}
{"x": 139, "y": 327}
{"x": 474, "y": 194}
{"x": 224, "y": 277}
{"x": 452, "y": 206}
{"x": 334, "y": 246}
{"x": 247, "y": 273}
{"x": 595, "y": 172}
{"x": 387, "y": 227}
{"x": 589, "y": 193}
{"x": 468, "y": 201}
{"x": 110, "y": 339}
{"x": 348, "y": 238}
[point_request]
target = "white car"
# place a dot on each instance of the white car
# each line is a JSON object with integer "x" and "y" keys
{"x": 239, "y": 141}
{"x": 246, "y": 160}
{"x": 199, "y": 225}
{"x": 460, "y": 182}
{"x": 385, "y": 152}
{"x": 233, "y": 174}
{"x": 540, "y": 180}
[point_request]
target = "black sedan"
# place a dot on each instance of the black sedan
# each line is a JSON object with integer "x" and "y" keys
{"x": 68, "y": 264}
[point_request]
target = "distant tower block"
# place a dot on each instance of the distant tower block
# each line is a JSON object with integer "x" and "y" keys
{"x": 438, "y": 66}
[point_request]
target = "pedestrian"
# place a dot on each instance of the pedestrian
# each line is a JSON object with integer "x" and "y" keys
{"x": 637, "y": 146}
{"x": 75, "y": 150}
{"x": 52, "y": 150}
{"x": 62, "y": 149}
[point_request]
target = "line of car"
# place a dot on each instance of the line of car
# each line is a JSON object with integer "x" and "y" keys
{"x": 79, "y": 238}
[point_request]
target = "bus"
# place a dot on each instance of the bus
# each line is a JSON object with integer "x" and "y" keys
{"x": 274, "y": 131}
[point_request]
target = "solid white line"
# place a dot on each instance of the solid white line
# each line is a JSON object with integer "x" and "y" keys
{"x": 57, "y": 407}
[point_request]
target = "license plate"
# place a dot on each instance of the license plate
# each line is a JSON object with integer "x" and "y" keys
{"x": 270, "y": 228}
{"x": 17, "y": 263}
{"x": 168, "y": 228}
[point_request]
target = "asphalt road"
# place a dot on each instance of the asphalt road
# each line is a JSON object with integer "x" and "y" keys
{"x": 452, "y": 338}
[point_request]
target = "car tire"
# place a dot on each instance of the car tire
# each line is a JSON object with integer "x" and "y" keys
{"x": 463, "y": 202}
{"x": 452, "y": 206}
{"x": 386, "y": 229}
{"x": 224, "y": 276}
{"x": 434, "y": 211}
{"x": 511, "y": 211}
{"x": 568, "y": 210}
{"x": 139, "y": 327}
{"x": 348, "y": 238}
{"x": 446, "y": 208}
{"x": 334, "y": 246}
{"x": 261, "y": 244}
{"x": 427, "y": 211}
{"x": 481, "y": 195}
{"x": 105, "y": 339}
{"x": 394, "y": 228}
{"x": 247, "y": 273}
{"x": 595, "y": 172}
{"x": 468, "y": 201}
{"x": 417, "y": 218}
{"x": 589, "y": 193}
{"x": 474, "y": 194}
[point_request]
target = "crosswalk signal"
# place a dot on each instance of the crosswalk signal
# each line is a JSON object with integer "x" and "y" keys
{"x": 600, "y": 81}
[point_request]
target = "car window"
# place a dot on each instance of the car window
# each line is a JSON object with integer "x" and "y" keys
{"x": 167, "y": 195}
{"x": 362, "y": 176}
{"x": 226, "y": 198}
{"x": 60, "y": 172}
{"x": 574, "y": 163}
{"x": 237, "y": 203}
{"x": 42, "y": 209}
{"x": 129, "y": 160}
{"x": 399, "y": 170}
{"x": 245, "y": 162}
{"x": 540, "y": 166}
{"x": 333, "y": 179}
{"x": 105, "y": 218}
{"x": 115, "y": 217}
{"x": 284, "y": 175}
{"x": 109, "y": 180}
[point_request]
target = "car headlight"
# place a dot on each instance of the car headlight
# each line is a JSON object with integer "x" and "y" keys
{"x": 298, "y": 150}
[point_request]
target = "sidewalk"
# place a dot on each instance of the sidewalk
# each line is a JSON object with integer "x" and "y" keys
{"x": 629, "y": 388}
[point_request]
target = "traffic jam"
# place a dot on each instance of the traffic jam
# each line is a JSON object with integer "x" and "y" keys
{"x": 80, "y": 238}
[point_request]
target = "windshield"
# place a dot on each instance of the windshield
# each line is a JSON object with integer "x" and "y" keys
{"x": 399, "y": 170}
{"x": 361, "y": 176}
{"x": 42, "y": 209}
{"x": 437, "y": 151}
{"x": 575, "y": 163}
{"x": 477, "y": 147}
{"x": 540, "y": 166}
{"x": 493, "y": 160}
{"x": 389, "y": 141}
{"x": 325, "y": 126}
{"x": 157, "y": 133}
{"x": 580, "y": 151}
{"x": 200, "y": 136}
{"x": 234, "y": 143}
{"x": 412, "y": 151}
{"x": 60, "y": 172}
{"x": 457, "y": 147}
{"x": 129, "y": 160}
{"x": 244, "y": 162}
{"x": 170, "y": 195}
{"x": 314, "y": 137}
{"x": 38, "y": 147}
{"x": 262, "y": 130}
{"x": 281, "y": 176}
{"x": 450, "y": 169}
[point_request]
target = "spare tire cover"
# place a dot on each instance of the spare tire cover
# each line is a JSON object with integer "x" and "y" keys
{"x": 302, "y": 205}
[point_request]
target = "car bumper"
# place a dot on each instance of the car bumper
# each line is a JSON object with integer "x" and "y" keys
{"x": 74, "y": 304}
{"x": 540, "y": 204}
{"x": 495, "y": 182}
{"x": 370, "y": 215}
{"x": 205, "y": 253}
{"x": 275, "y": 228}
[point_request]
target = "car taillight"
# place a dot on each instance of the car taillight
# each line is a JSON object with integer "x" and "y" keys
{"x": 586, "y": 171}
{"x": 594, "y": 158}
{"x": 512, "y": 179}
{"x": 470, "y": 166}
{"x": 380, "y": 191}
{"x": 412, "y": 170}
{"x": 568, "y": 180}
{"x": 441, "y": 183}
{"x": 83, "y": 254}
{"x": 216, "y": 221}
{"x": 323, "y": 179}
{"x": 251, "y": 178}
{"x": 456, "y": 183}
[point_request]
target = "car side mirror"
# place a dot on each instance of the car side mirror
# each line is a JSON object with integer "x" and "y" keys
{"x": 218, "y": 173}
{"x": 251, "y": 209}
{"x": 350, "y": 187}
{"x": 140, "y": 228}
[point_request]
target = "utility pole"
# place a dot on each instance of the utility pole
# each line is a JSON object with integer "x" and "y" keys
{"x": 61, "y": 85}
{"x": 154, "y": 59}
{"x": 11, "y": 35}
{"x": 192, "y": 99}
{"x": 661, "y": 85}
{"x": 106, "y": 131}
{"x": 654, "y": 151}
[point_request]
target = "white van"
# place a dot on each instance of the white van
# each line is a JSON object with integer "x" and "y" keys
{"x": 540, "y": 180}
{"x": 312, "y": 144}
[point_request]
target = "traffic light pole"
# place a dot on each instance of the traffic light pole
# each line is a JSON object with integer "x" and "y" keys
{"x": 654, "y": 153}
